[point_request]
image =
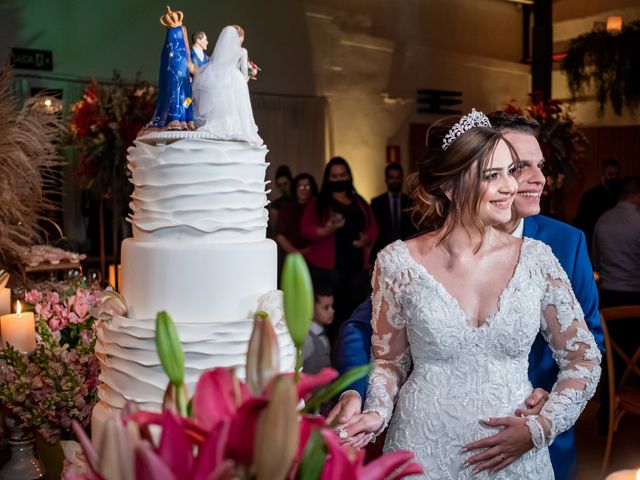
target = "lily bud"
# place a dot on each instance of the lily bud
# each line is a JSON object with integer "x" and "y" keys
{"x": 169, "y": 348}
{"x": 298, "y": 297}
{"x": 174, "y": 398}
{"x": 109, "y": 304}
{"x": 263, "y": 354}
{"x": 116, "y": 451}
{"x": 277, "y": 432}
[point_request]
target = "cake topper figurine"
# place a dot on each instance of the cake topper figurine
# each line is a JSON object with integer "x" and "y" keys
{"x": 221, "y": 95}
{"x": 199, "y": 43}
{"x": 173, "y": 106}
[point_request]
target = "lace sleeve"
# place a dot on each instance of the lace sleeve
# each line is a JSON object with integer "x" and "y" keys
{"x": 574, "y": 350}
{"x": 243, "y": 63}
{"x": 391, "y": 354}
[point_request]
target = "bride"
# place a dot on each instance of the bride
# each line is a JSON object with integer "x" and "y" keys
{"x": 222, "y": 107}
{"x": 456, "y": 310}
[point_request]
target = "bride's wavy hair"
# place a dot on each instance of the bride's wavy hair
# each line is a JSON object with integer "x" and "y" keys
{"x": 448, "y": 185}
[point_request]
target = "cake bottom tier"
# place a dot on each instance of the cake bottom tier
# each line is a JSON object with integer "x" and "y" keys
{"x": 131, "y": 370}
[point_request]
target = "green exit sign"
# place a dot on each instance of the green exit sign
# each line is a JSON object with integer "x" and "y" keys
{"x": 29, "y": 59}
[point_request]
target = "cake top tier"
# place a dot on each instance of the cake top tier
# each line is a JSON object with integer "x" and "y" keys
{"x": 198, "y": 190}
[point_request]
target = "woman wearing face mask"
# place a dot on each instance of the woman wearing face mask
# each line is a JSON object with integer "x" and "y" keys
{"x": 342, "y": 229}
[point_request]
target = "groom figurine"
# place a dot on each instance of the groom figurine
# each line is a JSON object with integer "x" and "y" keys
{"x": 199, "y": 44}
{"x": 568, "y": 244}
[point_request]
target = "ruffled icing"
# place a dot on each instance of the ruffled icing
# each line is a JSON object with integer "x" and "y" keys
{"x": 131, "y": 369}
{"x": 198, "y": 189}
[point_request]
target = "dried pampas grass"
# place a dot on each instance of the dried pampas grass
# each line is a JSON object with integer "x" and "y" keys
{"x": 28, "y": 155}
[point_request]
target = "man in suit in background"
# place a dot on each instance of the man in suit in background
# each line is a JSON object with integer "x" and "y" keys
{"x": 353, "y": 346}
{"x": 390, "y": 210}
{"x": 598, "y": 199}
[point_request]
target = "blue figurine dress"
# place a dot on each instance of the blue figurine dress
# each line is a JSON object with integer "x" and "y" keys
{"x": 173, "y": 107}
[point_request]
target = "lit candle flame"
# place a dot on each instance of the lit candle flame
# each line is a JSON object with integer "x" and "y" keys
{"x": 19, "y": 308}
{"x": 638, "y": 475}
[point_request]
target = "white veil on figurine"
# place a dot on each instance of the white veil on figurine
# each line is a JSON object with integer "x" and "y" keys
{"x": 222, "y": 107}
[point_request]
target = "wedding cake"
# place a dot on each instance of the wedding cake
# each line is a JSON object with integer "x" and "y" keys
{"x": 199, "y": 252}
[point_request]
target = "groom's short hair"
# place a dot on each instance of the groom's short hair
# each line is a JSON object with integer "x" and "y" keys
{"x": 510, "y": 121}
{"x": 197, "y": 36}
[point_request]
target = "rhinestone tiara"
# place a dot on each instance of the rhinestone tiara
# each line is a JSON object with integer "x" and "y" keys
{"x": 466, "y": 123}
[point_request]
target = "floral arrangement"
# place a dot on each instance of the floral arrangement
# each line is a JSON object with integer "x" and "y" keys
{"x": 253, "y": 70}
{"x": 232, "y": 430}
{"x": 57, "y": 383}
{"x": 103, "y": 125}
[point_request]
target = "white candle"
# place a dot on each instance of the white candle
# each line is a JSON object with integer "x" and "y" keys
{"x": 19, "y": 330}
{"x": 5, "y": 301}
{"x": 624, "y": 475}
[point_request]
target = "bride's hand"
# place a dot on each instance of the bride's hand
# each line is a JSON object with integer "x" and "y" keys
{"x": 359, "y": 430}
{"x": 503, "y": 448}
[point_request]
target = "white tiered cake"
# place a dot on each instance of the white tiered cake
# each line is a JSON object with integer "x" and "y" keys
{"x": 199, "y": 252}
{"x": 199, "y": 249}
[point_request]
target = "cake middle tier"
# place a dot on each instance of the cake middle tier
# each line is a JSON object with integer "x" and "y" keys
{"x": 197, "y": 282}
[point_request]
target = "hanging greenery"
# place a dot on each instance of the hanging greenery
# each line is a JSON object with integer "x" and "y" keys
{"x": 611, "y": 62}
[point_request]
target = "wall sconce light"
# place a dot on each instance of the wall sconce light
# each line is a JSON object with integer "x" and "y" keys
{"x": 47, "y": 104}
{"x": 614, "y": 24}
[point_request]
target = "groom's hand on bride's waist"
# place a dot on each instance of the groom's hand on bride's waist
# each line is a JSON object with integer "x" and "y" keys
{"x": 501, "y": 449}
{"x": 511, "y": 442}
{"x": 534, "y": 403}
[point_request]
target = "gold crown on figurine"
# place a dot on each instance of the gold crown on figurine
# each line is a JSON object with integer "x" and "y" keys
{"x": 171, "y": 19}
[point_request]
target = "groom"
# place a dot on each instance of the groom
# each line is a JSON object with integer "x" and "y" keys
{"x": 353, "y": 345}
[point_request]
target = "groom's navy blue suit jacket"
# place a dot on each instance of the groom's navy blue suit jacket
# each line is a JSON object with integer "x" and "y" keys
{"x": 353, "y": 345}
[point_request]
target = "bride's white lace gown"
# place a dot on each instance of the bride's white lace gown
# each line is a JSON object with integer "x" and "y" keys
{"x": 459, "y": 373}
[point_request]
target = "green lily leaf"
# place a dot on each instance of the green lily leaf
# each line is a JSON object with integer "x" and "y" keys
{"x": 169, "y": 348}
{"x": 313, "y": 458}
{"x": 298, "y": 297}
{"x": 327, "y": 393}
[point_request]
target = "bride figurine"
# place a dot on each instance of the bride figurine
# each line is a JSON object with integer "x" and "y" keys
{"x": 222, "y": 107}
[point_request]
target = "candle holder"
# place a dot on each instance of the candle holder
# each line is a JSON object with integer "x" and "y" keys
{"x": 24, "y": 463}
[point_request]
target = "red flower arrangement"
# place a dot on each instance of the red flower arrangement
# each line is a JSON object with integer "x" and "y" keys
{"x": 104, "y": 124}
{"x": 234, "y": 435}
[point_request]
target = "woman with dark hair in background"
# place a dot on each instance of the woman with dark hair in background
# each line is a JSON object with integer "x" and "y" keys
{"x": 303, "y": 189}
{"x": 342, "y": 229}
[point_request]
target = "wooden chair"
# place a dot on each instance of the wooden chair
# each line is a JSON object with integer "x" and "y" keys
{"x": 626, "y": 396}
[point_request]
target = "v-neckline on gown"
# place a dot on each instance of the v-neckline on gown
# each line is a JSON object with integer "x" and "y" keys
{"x": 444, "y": 292}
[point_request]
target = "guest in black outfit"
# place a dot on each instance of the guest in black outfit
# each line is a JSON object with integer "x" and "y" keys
{"x": 342, "y": 229}
{"x": 391, "y": 210}
{"x": 598, "y": 199}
